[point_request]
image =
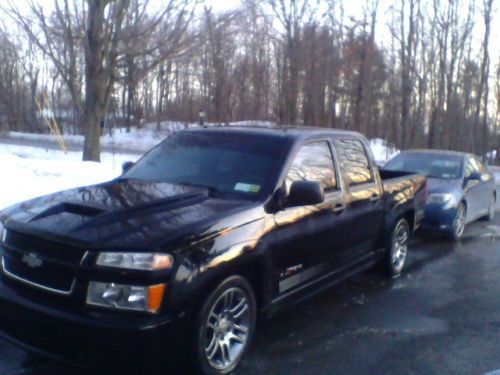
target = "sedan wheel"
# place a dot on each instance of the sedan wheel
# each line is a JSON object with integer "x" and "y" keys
{"x": 459, "y": 222}
{"x": 226, "y": 326}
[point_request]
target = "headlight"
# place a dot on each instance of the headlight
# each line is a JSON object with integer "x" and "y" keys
{"x": 136, "y": 261}
{"x": 126, "y": 297}
{"x": 446, "y": 200}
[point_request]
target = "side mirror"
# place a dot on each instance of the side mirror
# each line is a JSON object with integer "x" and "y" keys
{"x": 475, "y": 176}
{"x": 305, "y": 193}
{"x": 126, "y": 166}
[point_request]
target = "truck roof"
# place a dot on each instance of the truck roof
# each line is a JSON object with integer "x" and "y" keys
{"x": 290, "y": 132}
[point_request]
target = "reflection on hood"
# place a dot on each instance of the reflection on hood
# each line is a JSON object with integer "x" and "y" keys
{"x": 123, "y": 211}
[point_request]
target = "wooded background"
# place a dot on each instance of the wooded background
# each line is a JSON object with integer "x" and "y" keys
{"x": 430, "y": 81}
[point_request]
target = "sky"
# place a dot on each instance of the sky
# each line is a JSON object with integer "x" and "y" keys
{"x": 354, "y": 8}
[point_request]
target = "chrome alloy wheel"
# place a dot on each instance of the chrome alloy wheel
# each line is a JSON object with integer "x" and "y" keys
{"x": 459, "y": 222}
{"x": 399, "y": 247}
{"x": 227, "y": 328}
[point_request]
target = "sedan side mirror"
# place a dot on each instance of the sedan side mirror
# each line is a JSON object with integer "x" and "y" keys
{"x": 126, "y": 166}
{"x": 475, "y": 176}
{"x": 305, "y": 193}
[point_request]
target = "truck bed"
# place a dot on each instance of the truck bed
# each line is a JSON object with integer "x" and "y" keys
{"x": 404, "y": 191}
{"x": 386, "y": 174}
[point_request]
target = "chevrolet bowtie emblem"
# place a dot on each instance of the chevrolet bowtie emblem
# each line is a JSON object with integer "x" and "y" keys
{"x": 32, "y": 260}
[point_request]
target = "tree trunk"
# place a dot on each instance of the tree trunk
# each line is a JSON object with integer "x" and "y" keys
{"x": 95, "y": 83}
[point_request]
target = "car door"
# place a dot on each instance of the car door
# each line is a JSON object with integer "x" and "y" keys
{"x": 486, "y": 187}
{"x": 364, "y": 198}
{"x": 473, "y": 189}
{"x": 308, "y": 240}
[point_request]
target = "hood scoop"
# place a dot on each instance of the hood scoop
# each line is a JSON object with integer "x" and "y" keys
{"x": 157, "y": 205}
{"x": 70, "y": 207}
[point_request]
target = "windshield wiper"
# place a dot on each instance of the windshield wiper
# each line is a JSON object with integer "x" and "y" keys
{"x": 439, "y": 177}
{"x": 210, "y": 189}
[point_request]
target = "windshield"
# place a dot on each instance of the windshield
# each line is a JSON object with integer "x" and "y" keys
{"x": 239, "y": 164}
{"x": 447, "y": 167}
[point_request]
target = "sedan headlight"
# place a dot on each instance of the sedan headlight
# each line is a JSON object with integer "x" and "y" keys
{"x": 446, "y": 200}
{"x": 136, "y": 261}
{"x": 126, "y": 297}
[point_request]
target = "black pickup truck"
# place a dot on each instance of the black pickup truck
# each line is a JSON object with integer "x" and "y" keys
{"x": 208, "y": 229}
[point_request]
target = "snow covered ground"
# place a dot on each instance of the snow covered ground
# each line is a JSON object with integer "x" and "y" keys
{"x": 382, "y": 150}
{"x": 28, "y": 172}
{"x": 137, "y": 140}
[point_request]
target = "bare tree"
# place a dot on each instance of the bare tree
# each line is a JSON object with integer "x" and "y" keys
{"x": 95, "y": 32}
{"x": 428, "y": 84}
{"x": 59, "y": 36}
{"x": 482, "y": 96}
{"x": 292, "y": 14}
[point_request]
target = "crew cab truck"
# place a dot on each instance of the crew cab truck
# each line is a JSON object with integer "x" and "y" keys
{"x": 208, "y": 229}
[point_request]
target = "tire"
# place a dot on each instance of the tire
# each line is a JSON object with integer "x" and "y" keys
{"x": 397, "y": 248}
{"x": 459, "y": 222}
{"x": 491, "y": 212}
{"x": 225, "y": 326}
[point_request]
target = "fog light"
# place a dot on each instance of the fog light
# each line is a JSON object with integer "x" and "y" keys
{"x": 126, "y": 297}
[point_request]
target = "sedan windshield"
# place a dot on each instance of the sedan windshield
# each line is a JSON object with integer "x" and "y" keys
{"x": 239, "y": 164}
{"x": 448, "y": 167}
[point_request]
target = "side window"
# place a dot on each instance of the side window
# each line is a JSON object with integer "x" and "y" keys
{"x": 313, "y": 162}
{"x": 480, "y": 166}
{"x": 469, "y": 167}
{"x": 354, "y": 162}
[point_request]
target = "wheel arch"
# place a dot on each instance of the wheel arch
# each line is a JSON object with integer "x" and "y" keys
{"x": 410, "y": 218}
{"x": 391, "y": 220}
{"x": 255, "y": 271}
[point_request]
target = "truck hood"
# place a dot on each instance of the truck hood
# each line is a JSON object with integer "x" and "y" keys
{"x": 125, "y": 213}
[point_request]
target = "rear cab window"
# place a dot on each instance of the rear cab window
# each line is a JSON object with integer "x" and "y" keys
{"x": 313, "y": 162}
{"x": 354, "y": 162}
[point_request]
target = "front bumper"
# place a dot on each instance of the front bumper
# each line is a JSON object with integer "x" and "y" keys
{"x": 438, "y": 219}
{"x": 84, "y": 338}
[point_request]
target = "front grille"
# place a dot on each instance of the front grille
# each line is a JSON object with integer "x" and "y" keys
{"x": 57, "y": 251}
{"x": 49, "y": 276}
{"x": 38, "y": 263}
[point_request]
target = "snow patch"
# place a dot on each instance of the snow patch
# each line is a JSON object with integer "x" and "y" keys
{"x": 382, "y": 150}
{"x": 31, "y": 172}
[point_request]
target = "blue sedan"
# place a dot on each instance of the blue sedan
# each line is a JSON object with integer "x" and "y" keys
{"x": 460, "y": 189}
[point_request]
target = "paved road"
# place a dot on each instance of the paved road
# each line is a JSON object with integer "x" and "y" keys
{"x": 441, "y": 317}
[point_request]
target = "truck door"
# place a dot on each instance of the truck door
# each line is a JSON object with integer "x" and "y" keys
{"x": 308, "y": 240}
{"x": 364, "y": 197}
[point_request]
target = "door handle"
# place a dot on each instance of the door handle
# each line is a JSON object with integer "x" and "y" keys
{"x": 375, "y": 198}
{"x": 339, "y": 208}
